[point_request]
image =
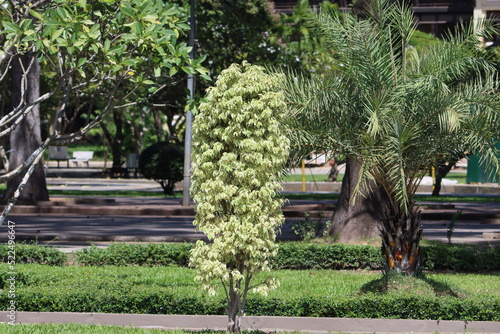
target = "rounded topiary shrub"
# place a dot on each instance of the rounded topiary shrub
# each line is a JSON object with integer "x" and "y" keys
{"x": 164, "y": 163}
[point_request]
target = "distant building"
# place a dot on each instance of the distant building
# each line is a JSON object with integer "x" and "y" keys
{"x": 433, "y": 17}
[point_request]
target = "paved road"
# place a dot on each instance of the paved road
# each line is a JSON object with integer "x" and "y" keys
{"x": 77, "y": 222}
{"x": 71, "y": 226}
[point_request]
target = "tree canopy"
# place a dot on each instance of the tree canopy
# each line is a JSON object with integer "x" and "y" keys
{"x": 101, "y": 56}
{"x": 239, "y": 149}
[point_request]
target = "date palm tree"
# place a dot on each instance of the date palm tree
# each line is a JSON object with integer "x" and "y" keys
{"x": 393, "y": 111}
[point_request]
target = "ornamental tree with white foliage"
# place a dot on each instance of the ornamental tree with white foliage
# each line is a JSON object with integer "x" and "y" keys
{"x": 239, "y": 150}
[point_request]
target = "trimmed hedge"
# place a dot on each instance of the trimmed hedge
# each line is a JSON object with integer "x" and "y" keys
{"x": 165, "y": 290}
{"x": 149, "y": 300}
{"x": 163, "y": 254}
{"x": 460, "y": 258}
{"x": 297, "y": 255}
{"x": 291, "y": 255}
{"x": 29, "y": 253}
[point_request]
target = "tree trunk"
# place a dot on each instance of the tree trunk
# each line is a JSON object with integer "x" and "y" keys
{"x": 26, "y": 138}
{"x": 401, "y": 235}
{"x": 233, "y": 312}
{"x": 116, "y": 142}
{"x": 116, "y": 145}
{"x": 354, "y": 222}
{"x": 442, "y": 170}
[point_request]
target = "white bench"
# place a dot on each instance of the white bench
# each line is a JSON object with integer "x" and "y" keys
{"x": 82, "y": 156}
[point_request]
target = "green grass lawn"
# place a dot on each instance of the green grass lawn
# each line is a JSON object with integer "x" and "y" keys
{"x": 101, "y": 329}
{"x": 310, "y": 177}
{"x": 290, "y": 196}
{"x": 293, "y": 283}
{"x": 460, "y": 177}
{"x": 87, "y": 329}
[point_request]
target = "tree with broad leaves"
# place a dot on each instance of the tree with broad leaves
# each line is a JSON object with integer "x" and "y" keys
{"x": 239, "y": 151}
{"x": 112, "y": 52}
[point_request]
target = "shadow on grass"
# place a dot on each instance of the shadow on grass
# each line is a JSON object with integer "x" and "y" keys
{"x": 420, "y": 285}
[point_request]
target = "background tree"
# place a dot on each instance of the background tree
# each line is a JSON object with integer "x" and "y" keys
{"x": 393, "y": 111}
{"x": 238, "y": 155}
{"x": 26, "y": 136}
{"x": 223, "y": 38}
{"x": 164, "y": 163}
{"x": 97, "y": 51}
{"x": 232, "y": 31}
{"x": 300, "y": 47}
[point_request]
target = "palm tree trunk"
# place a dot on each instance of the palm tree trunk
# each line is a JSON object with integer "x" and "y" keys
{"x": 401, "y": 235}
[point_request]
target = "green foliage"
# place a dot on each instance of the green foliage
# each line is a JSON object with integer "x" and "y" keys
{"x": 115, "y": 32}
{"x": 28, "y": 253}
{"x": 238, "y": 152}
{"x": 227, "y": 38}
{"x": 396, "y": 110}
{"x": 164, "y": 163}
{"x": 296, "y": 255}
{"x": 422, "y": 40}
{"x": 461, "y": 258}
{"x": 163, "y": 254}
{"x": 300, "y": 256}
{"x": 238, "y": 155}
{"x": 97, "y": 56}
{"x": 172, "y": 291}
{"x": 291, "y": 255}
{"x": 305, "y": 50}
{"x": 393, "y": 108}
{"x": 307, "y": 229}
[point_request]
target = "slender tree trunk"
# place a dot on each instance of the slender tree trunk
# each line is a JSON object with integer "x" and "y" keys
{"x": 115, "y": 141}
{"x": 233, "y": 320}
{"x": 26, "y": 138}
{"x": 359, "y": 220}
{"x": 442, "y": 170}
{"x": 116, "y": 145}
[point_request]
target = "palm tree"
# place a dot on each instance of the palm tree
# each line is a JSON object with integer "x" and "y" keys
{"x": 393, "y": 111}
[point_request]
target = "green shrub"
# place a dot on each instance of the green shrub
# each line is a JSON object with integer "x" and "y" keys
{"x": 460, "y": 258}
{"x": 151, "y": 300}
{"x": 307, "y": 229}
{"x": 298, "y": 255}
{"x": 32, "y": 253}
{"x": 164, "y": 163}
{"x": 293, "y": 255}
{"x": 163, "y": 254}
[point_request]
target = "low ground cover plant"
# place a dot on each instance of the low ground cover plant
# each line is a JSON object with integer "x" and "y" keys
{"x": 322, "y": 293}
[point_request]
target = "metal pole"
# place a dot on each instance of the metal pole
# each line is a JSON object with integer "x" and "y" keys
{"x": 189, "y": 115}
{"x": 303, "y": 169}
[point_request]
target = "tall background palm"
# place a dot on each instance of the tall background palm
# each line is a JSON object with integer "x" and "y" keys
{"x": 393, "y": 111}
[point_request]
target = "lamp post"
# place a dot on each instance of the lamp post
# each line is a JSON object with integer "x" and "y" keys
{"x": 189, "y": 115}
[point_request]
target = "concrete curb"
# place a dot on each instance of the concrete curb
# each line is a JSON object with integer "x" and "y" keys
{"x": 264, "y": 323}
{"x": 292, "y": 211}
{"x": 470, "y": 189}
